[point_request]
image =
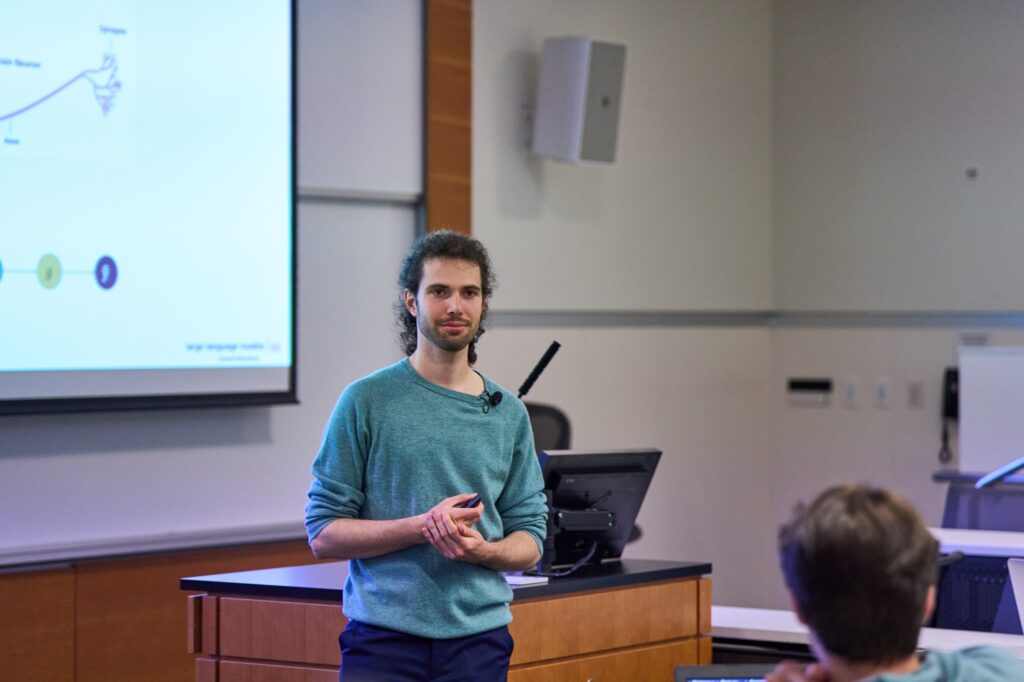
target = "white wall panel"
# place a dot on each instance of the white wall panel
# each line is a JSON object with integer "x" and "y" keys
{"x": 360, "y": 97}
{"x": 681, "y": 220}
{"x": 881, "y": 107}
{"x": 701, "y": 396}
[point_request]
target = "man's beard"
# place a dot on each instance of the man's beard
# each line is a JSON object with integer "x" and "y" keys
{"x": 452, "y": 344}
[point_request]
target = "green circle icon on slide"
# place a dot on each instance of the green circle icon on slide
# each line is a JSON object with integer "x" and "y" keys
{"x": 49, "y": 271}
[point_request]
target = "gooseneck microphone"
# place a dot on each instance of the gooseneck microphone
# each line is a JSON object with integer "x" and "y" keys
{"x": 544, "y": 360}
{"x": 493, "y": 399}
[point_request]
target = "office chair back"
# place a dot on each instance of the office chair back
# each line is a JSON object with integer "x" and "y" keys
{"x": 551, "y": 430}
{"x": 971, "y": 591}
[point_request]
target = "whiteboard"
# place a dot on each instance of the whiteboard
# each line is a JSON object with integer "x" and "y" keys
{"x": 112, "y": 483}
{"x": 991, "y": 407}
{"x": 360, "y": 97}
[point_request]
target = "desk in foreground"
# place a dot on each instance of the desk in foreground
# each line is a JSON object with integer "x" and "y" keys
{"x": 997, "y": 543}
{"x": 624, "y": 620}
{"x": 765, "y": 628}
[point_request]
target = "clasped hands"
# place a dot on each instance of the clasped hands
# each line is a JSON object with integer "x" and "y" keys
{"x": 449, "y": 529}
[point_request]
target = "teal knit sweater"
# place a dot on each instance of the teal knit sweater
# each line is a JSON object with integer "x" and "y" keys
{"x": 395, "y": 446}
{"x": 976, "y": 664}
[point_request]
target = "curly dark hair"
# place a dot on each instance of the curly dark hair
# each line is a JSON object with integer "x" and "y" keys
{"x": 440, "y": 244}
{"x": 859, "y": 562}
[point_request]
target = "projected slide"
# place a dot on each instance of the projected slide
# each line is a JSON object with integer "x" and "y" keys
{"x": 103, "y": 80}
{"x": 58, "y": 93}
{"x": 146, "y": 184}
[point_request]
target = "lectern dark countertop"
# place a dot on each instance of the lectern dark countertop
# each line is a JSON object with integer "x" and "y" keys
{"x": 326, "y": 580}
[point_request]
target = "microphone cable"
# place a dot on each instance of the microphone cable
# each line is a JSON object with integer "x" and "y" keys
{"x": 561, "y": 573}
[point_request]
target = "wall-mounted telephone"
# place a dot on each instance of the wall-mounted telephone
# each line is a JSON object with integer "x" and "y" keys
{"x": 950, "y": 409}
{"x": 951, "y": 393}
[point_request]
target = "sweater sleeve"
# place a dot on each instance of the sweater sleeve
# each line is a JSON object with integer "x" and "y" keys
{"x": 339, "y": 467}
{"x": 522, "y": 505}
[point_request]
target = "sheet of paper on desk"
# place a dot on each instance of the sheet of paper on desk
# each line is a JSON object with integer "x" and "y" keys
{"x": 519, "y": 580}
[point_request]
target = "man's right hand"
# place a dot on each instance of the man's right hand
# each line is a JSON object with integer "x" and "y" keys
{"x": 467, "y": 516}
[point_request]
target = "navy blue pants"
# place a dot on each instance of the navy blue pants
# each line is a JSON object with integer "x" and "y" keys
{"x": 381, "y": 655}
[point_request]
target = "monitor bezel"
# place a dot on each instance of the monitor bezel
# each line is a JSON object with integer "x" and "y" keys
{"x": 610, "y": 544}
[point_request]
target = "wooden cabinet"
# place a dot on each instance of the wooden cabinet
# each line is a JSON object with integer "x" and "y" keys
{"x": 247, "y": 671}
{"x": 631, "y": 633}
{"x": 638, "y": 629}
{"x": 113, "y": 618}
{"x": 269, "y": 629}
{"x": 654, "y": 662}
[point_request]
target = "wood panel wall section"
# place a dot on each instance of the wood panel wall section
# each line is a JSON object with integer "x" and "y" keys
{"x": 117, "y": 619}
{"x": 37, "y": 626}
{"x": 449, "y": 115}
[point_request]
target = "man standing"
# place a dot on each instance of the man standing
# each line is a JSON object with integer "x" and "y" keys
{"x": 860, "y": 566}
{"x": 403, "y": 449}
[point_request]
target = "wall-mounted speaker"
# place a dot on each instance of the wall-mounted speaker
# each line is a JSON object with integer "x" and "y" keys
{"x": 577, "y": 116}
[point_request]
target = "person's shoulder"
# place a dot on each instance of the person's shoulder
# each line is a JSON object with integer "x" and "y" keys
{"x": 993, "y": 657}
{"x": 974, "y": 664}
{"x": 381, "y": 381}
{"x": 398, "y": 371}
{"x": 986, "y": 651}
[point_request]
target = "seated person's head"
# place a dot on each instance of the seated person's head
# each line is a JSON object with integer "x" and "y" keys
{"x": 861, "y": 568}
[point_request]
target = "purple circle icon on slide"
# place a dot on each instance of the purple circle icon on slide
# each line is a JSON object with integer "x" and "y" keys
{"x": 106, "y": 272}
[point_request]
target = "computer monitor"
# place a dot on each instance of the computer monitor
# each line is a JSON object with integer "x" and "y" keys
{"x": 595, "y": 496}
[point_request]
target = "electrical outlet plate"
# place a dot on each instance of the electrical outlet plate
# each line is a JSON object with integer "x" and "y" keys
{"x": 849, "y": 392}
{"x": 973, "y": 338}
{"x": 915, "y": 394}
{"x": 882, "y": 393}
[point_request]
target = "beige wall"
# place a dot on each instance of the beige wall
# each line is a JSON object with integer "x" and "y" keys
{"x": 864, "y": 208}
{"x": 681, "y": 220}
{"x": 698, "y": 394}
{"x": 881, "y": 106}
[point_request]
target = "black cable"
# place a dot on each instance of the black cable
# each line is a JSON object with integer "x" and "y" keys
{"x": 561, "y": 573}
{"x": 945, "y": 455}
